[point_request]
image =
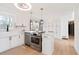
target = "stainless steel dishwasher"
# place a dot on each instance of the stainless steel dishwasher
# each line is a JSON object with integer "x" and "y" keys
{"x": 27, "y": 38}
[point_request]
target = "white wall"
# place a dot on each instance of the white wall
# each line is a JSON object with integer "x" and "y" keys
{"x": 61, "y": 25}
{"x": 77, "y": 36}
{"x": 64, "y": 25}
{"x": 76, "y": 44}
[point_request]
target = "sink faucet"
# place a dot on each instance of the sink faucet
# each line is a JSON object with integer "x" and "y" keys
{"x": 7, "y": 28}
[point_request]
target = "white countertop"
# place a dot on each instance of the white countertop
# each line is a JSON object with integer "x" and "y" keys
{"x": 7, "y": 34}
{"x": 12, "y": 33}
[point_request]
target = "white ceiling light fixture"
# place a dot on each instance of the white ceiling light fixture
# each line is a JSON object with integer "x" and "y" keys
{"x": 23, "y": 6}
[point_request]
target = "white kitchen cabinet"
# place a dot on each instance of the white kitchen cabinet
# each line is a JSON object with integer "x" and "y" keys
{"x": 21, "y": 39}
{"x": 4, "y": 44}
{"x": 17, "y": 40}
{"x": 47, "y": 44}
{"x": 11, "y": 41}
{"x": 14, "y": 41}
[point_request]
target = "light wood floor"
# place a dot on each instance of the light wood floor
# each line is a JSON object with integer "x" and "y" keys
{"x": 21, "y": 50}
{"x": 61, "y": 47}
{"x": 64, "y": 47}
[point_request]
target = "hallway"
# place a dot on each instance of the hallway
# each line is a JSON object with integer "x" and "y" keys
{"x": 64, "y": 47}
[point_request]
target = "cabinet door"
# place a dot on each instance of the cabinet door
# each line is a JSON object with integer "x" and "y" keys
{"x": 14, "y": 41}
{"x": 21, "y": 39}
{"x": 4, "y": 44}
{"x": 47, "y": 44}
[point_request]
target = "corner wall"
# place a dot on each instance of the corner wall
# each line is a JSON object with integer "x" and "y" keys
{"x": 76, "y": 43}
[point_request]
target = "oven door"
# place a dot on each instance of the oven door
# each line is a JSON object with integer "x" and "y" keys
{"x": 35, "y": 40}
{"x": 36, "y": 43}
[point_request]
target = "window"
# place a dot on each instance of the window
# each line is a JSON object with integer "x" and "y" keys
{"x": 4, "y": 22}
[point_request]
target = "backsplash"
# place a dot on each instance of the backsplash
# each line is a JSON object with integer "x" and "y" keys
{"x": 36, "y": 25}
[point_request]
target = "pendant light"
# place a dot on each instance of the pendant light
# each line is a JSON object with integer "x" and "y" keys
{"x": 41, "y": 9}
{"x": 41, "y": 20}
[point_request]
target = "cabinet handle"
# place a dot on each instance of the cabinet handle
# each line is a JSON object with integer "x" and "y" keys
{"x": 10, "y": 38}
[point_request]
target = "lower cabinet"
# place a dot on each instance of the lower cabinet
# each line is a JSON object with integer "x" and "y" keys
{"x": 11, "y": 42}
{"x": 4, "y": 44}
{"x": 21, "y": 39}
{"x": 14, "y": 41}
{"x": 47, "y": 44}
{"x": 17, "y": 40}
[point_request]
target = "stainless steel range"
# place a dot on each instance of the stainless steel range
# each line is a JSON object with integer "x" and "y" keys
{"x": 34, "y": 40}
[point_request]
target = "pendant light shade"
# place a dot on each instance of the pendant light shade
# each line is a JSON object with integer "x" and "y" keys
{"x": 23, "y": 6}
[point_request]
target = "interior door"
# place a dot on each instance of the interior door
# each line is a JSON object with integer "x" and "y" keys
{"x": 71, "y": 28}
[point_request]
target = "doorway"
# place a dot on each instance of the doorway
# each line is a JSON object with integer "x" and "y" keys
{"x": 71, "y": 29}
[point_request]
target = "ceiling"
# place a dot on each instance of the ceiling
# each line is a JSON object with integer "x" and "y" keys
{"x": 54, "y": 9}
{"x": 50, "y": 7}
